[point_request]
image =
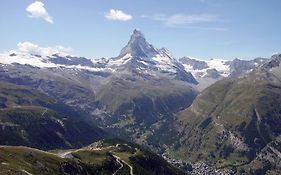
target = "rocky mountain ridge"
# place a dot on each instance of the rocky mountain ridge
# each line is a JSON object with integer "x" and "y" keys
{"x": 140, "y": 57}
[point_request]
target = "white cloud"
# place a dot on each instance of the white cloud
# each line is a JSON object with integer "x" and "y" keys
{"x": 118, "y": 15}
{"x": 37, "y": 10}
{"x": 184, "y": 19}
{"x": 30, "y": 48}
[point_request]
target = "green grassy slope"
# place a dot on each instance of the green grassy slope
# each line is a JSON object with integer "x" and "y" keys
{"x": 97, "y": 158}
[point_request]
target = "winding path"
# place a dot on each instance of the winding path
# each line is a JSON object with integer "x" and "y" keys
{"x": 131, "y": 168}
{"x": 120, "y": 163}
{"x": 67, "y": 154}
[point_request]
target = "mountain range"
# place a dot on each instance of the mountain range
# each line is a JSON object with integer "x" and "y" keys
{"x": 140, "y": 57}
{"x": 223, "y": 112}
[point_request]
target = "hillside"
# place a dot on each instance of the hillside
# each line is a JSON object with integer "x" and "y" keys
{"x": 30, "y": 118}
{"x": 103, "y": 157}
{"x": 268, "y": 161}
{"x": 230, "y": 122}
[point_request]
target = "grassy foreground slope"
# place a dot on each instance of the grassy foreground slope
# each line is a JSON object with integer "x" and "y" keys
{"x": 103, "y": 157}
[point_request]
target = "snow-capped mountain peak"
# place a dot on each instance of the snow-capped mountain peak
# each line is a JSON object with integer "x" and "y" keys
{"x": 142, "y": 57}
{"x": 138, "y": 46}
{"x": 24, "y": 58}
{"x": 207, "y": 72}
{"x": 199, "y": 68}
{"x": 43, "y": 60}
{"x": 139, "y": 50}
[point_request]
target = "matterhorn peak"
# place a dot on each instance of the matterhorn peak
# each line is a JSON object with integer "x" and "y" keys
{"x": 138, "y": 46}
{"x": 137, "y": 33}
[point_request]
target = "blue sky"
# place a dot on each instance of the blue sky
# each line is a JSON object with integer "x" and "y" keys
{"x": 199, "y": 28}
